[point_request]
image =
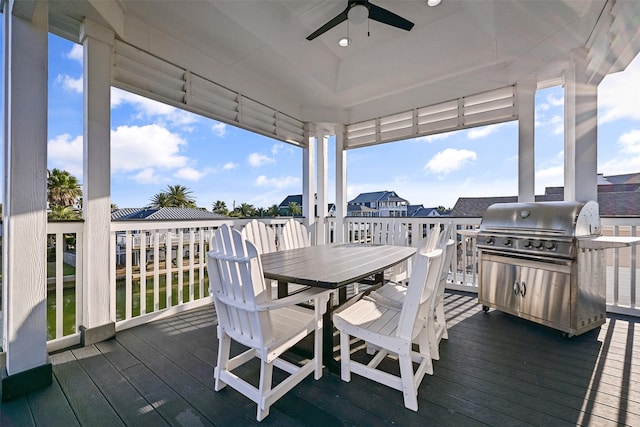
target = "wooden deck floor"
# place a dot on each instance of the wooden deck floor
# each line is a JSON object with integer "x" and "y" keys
{"x": 494, "y": 370}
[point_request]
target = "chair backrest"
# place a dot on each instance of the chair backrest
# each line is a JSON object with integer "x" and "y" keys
{"x": 237, "y": 285}
{"x": 261, "y": 235}
{"x": 424, "y": 278}
{"x": 295, "y": 235}
{"x": 430, "y": 242}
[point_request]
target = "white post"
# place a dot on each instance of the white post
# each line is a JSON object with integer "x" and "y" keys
{"x": 308, "y": 180}
{"x": 581, "y": 131}
{"x": 321, "y": 201}
{"x": 341, "y": 185}
{"x": 24, "y": 257}
{"x": 97, "y": 324}
{"x": 526, "y": 141}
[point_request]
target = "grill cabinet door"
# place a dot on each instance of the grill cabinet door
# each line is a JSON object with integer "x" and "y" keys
{"x": 547, "y": 294}
{"x": 496, "y": 284}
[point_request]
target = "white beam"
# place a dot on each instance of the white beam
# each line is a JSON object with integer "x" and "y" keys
{"x": 321, "y": 201}
{"x": 25, "y": 192}
{"x": 526, "y": 94}
{"x": 308, "y": 180}
{"x": 112, "y": 13}
{"x": 341, "y": 185}
{"x": 581, "y": 132}
{"x": 97, "y": 323}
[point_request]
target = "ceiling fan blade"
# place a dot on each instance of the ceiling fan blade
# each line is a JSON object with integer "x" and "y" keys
{"x": 329, "y": 25}
{"x": 383, "y": 15}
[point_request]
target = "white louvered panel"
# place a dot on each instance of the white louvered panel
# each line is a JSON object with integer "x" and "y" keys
{"x": 489, "y": 117}
{"x": 253, "y": 110}
{"x": 481, "y": 98}
{"x": 213, "y": 110}
{"x": 438, "y": 126}
{"x": 289, "y": 128}
{"x": 397, "y": 126}
{"x": 252, "y": 123}
{"x": 147, "y": 87}
{"x": 439, "y": 117}
{"x": 497, "y": 104}
{"x": 214, "y": 93}
{"x": 444, "y": 108}
{"x": 396, "y": 134}
{"x": 362, "y": 141}
{"x": 124, "y": 50}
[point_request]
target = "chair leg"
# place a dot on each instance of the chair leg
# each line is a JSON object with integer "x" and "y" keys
{"x": 345, "y": 357}
{"x": 317, "y": 351}
{"x": 264, "y": 389}
{"x": 440, "y": 319}
{"x": 408, "y": 388}
{"x": 224, "y": 348}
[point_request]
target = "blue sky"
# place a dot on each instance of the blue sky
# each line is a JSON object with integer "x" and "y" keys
{"x": 154, "y": 145}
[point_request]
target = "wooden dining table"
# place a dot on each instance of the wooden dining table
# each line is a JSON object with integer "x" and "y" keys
{"x": 334, "y": 267}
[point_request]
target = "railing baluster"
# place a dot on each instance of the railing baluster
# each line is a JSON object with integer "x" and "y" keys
{"x": 156, "y": 270}
{"x": 59, "y": 284}
{"x": 128, "y": 279}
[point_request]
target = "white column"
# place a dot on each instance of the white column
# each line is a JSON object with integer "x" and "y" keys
{"x": 581, "y": 132}
{"x": 526, "y": 92}
{"x": 341, "y": 185}
{"x": 321, "y": 201}
{"x": 308, "y": 181}
{"x": 24, "y": 258}
{"x": 97, "y": 323}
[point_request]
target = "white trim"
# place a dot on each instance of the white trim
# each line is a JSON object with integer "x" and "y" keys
{"x": 141, "y": 320}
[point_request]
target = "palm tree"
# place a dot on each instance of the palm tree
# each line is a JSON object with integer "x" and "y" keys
{"x": 261, "y": 212}
{"x": 160, "y": 200}
{"x": 246, "y": 210}
{"x": 180, "y": 196}
{"x": 274, "y": 210}
{"x": 294, "y": 209}
{"x": 63, "y": 188}
{"x": 220, "y": 207}
{"x": 63, "y": 213}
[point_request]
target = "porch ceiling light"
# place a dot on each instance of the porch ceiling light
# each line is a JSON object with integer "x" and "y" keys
{"x": 344, "y": 42}
{"x": 433, "y": 3}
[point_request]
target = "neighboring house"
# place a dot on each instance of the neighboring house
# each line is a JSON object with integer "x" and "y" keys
{"x": 383, "y": 203}
{"x": 283, "y": 207}
{"x": 421, "y": 212}
{"x": 618, "y": 196}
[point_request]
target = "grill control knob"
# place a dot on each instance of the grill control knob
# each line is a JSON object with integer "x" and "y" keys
{"x": 490, "y": 240}
{"x": 550, "y": 246}
{"x": 537, "y": 244}
{"x": 507, "y": 242}
{"x": 527, "y": 244}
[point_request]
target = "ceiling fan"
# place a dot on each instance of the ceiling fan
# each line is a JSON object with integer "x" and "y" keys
{"x": 357, "y": 8}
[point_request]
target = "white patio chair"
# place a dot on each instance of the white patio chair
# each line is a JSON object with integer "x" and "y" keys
{"x": 393, "y": 233}
{"x": 261, "y": 235}
{"x": 295, "y": 235}
{"x": 393, "y": 332}
{"x": 393, "y": 294}
{"x": 248, "y": 316}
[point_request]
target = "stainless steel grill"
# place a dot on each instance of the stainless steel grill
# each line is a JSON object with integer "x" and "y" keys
{"x": 533, "y": 263}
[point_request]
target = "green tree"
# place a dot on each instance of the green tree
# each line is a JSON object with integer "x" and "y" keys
{"x": 261, "y": 212}
{"x": 246, "y": 210}
{"x": 63, "y": 189}
{"x": 441, "y": 209}
{"x": 273, "y": 211}
{"x": 294, "y": 209}
{"x": 220, "y": 207}
{"x": 180, "y": 196}
{"x": 63, "y": 213}
{"x": 160, "y": 200}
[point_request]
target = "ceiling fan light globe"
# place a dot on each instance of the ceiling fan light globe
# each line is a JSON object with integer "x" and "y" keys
{"x": 433, "y": 3}
{"x": 358, "y": 14}
{"x": 344, "y": 42}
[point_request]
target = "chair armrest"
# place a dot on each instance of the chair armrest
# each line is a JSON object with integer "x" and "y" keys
{"x": 297, "y": 298}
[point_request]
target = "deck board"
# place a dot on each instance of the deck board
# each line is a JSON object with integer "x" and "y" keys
{"x": 495, "y": 369}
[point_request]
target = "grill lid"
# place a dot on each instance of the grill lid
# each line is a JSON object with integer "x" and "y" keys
{"x": 562, "y": 219}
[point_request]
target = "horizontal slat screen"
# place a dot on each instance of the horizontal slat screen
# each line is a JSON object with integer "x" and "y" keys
{"x": 139, "y": 72}
{"x": 482, "y": 109}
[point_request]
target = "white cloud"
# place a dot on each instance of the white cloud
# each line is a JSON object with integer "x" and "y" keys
{"x": 449, "y": 160}
{"x": 69, "y": 83}
{"x": 65, "y": 152}
{"x": 555, "y": 101}
{"x": 257, "y": 159}
{"x": 220, "y": 129}
{"x": 141, "y": 147}
{"x": 552, "y": 176}
{"x": 147, "y": 176}
{"x": 483, "y": 131}
{"x": 618, "y": 94}
{"x": 151, "y": 109}
{"x": 189, "y": 174}
{"x": 279, "y": 183}
{"x": 229, "y": 166}
{"x": 630, "y": 141}
{"x": 76, "y": 53}
{"x": 432, "y": 138}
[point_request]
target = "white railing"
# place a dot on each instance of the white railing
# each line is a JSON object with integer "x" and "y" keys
{"x": 140, "y": 291}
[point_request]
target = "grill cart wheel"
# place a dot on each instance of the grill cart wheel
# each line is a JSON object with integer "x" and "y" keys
{"x": 485, "y": 308}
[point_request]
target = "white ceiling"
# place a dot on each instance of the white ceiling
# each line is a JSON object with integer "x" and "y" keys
{"x": 259, "y": 48}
